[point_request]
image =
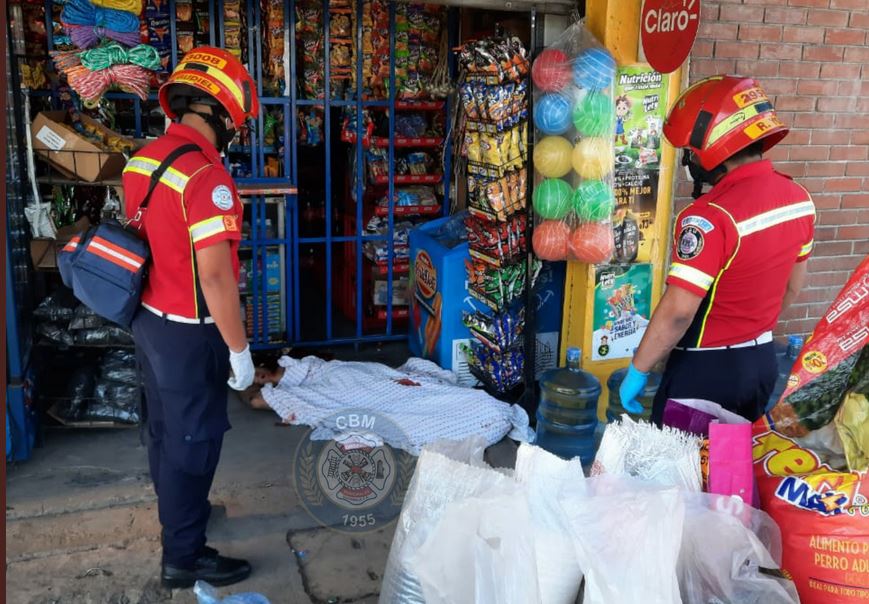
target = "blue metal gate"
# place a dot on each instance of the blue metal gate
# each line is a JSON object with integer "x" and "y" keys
{"x": 302, "y": 285}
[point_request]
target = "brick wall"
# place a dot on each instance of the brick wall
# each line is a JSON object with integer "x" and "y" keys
{"x": 812, "y": 58}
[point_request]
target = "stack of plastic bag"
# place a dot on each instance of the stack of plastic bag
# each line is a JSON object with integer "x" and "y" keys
{"x": 470, "y": 533}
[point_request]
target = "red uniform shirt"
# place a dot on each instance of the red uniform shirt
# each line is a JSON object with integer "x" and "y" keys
{"x": 195, "y": 205}
{"x": 736, "y": 246}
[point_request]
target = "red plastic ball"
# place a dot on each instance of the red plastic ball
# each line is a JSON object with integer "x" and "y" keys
{"x": 551, "y": 70}
{"x": 592, "y": 242}
{"x": 550, "y": 240}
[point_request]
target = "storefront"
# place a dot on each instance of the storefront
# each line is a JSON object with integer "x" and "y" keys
{"x": 486, "y": 184}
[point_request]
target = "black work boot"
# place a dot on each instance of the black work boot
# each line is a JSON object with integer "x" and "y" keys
{"x": 211, "y": 567}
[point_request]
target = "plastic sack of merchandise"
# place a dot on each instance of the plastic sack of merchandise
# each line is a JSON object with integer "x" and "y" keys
{"x": 665, "y": 456}
{"x": 114, "y": 401}
{"x": 730, "y": 552}
{"x": 107, "y": 335}
{"x": 574, "y": 124}
{"x": 822, "y": 508}
{"x": 438, "y": 481}
{"x": 627, "y": 534}
{"x": 120, "y": 366}
{"x": 56, "y": 334}
{"x": 480, "y": 548}
{"x": 85, "y": 318}
{"x": 56, "y": 307}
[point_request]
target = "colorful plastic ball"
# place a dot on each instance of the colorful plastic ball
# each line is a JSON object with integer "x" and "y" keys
{"x": 551, "y": 70}
{"x": 593, "y": 115}
{"x": 593, "y": 158}
{"x": 594, "y": 69}
{"x": 552, "y": 156}
{"x": 594, "y": 201}
{"x": 552, "y": 198}
{"x": 552, "y": 114}
{"x": 591, "y": 242}
{"x": 550, "y": 240}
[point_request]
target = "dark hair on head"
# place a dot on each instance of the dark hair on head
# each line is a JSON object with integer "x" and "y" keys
{"x": 266, "y": 360}
{"x": 753, "y": 150}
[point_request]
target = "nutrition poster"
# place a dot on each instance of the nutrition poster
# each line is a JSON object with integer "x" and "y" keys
{"x": 622, "y": 305}
{"x": 640, "y": 105}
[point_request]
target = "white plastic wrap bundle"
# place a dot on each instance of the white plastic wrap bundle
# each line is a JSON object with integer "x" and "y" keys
{"x": 472, "y": 534}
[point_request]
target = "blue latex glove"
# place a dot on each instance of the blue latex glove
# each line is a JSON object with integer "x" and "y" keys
{"x": 633, "y": 384}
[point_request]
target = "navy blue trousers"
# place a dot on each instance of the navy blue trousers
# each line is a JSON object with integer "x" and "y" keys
{"x": 739, "y": 379}
{"x": 185, "y": 368}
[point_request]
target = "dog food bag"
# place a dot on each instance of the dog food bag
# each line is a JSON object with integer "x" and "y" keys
{"x": 810, "y": 455}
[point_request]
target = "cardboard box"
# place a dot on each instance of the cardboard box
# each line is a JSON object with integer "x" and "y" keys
{"x": 72, "y": 154}
{"x": 43, "y": 251}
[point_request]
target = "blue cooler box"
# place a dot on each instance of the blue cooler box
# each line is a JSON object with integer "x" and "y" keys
{"x": 439, "y": 293}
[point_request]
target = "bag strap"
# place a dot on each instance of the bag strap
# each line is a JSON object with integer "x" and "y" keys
{"x": 157, "y": 174}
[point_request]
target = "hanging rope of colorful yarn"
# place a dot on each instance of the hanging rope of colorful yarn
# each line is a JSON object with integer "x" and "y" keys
{"x": 82, "y": 12}
{"x": 91, "y": 85}
{"x": 130, "y": 6}
{"x": 86, "y": 36}
{"x": 115, "y": 54}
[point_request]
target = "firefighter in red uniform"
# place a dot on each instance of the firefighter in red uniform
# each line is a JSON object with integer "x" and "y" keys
{"x": 738, "y": 256}
{"x": 189, "y": 333}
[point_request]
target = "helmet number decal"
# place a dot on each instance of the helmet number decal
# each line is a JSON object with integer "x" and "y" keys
{"x": 761, "y": 127}
{"x": 204, "y": 57}
{"x": 690, "y": 243}
{"x": 221, "y": 196}
{"x": 749, "y": 97}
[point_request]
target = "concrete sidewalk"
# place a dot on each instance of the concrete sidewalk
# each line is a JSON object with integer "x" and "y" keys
{"x": 81, "y": 518}
{"x": 82, "y": 522}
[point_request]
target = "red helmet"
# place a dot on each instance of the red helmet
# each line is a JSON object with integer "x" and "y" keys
{"x": 218, "y": 74}
{"x": 721, "y": 115}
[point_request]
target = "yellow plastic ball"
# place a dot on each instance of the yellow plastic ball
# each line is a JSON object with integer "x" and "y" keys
{"x": 593, "y": 158}
{"x": 552, "y": 156}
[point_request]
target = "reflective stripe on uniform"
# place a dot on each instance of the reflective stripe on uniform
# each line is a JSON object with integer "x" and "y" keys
{"x": 775, "y": 217}
{"x": 691, "y": 275}
{"x": 807, "y": 248}
{"x": 207, "y": 228}
{"x": 146, "y": 166}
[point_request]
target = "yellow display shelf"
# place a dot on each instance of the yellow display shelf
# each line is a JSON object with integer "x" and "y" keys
{"x": 616, "y": 23}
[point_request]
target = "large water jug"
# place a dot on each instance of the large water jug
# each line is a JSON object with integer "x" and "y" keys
{"x": 567, "y": 413}
{"x": 785, "y": 357}
{"x": 647, "y": 396}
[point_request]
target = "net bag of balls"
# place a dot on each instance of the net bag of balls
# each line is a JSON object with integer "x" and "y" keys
{"x": 573, "y": 158}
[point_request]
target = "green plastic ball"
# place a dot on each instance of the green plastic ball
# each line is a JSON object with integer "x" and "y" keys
{"x": 552, "y": 198}
{"x": 593, "y": 201}
{"x": 593, "y": 114}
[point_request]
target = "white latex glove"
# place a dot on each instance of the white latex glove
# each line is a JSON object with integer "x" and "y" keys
{"x": 242, "y": 369}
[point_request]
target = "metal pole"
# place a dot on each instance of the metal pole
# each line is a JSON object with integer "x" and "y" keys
{"x": 529, "y": 395}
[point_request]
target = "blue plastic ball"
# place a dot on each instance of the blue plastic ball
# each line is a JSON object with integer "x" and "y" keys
{"x": 594, "y": 69}
{"x": 552, "y": 114}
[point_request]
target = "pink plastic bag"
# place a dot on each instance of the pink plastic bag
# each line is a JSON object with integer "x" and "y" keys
{"x": 730, "y": 461}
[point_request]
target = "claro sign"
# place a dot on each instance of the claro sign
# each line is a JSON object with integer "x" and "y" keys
{"x": 667, "y": 32}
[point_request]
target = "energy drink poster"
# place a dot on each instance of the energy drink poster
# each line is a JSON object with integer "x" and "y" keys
{"x": 640, "y": 106}
{"x": 622, "y": 306}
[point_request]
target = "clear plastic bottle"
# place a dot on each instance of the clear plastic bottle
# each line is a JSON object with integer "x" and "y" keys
{"x": 567, "y": 413}
{"x": 786, "y": 358}
{"x": 647, "y": 397}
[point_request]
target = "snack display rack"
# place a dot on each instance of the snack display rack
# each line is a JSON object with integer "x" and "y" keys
{"x": 270, "y": 164}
